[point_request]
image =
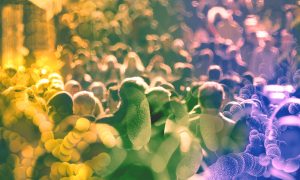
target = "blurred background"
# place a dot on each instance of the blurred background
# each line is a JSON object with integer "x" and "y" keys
{"x": 45, "y": 30}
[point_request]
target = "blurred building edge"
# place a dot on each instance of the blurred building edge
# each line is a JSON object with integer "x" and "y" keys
{"x": 27, "y": 30}
{"x": 12, "y": 35}
{"x": 51, "y": 7}
{"x": 296, "y": 33}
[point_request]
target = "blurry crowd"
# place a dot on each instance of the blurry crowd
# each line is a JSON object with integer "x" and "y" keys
{"x": 158, "y": 89}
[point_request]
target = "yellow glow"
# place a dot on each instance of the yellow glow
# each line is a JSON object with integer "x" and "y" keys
{"x": 43, "y": 71}
{"x": 12, "y": 36}
{"x": 47, "y": 62}
{"x": 51, "y": 7}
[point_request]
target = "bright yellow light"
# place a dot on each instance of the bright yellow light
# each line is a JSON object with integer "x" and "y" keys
{"x": 12, "y": 36}
{"x": 43, "y": 71}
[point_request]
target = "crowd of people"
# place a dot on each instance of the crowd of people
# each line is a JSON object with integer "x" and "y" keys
{"x": 158, "y": 89}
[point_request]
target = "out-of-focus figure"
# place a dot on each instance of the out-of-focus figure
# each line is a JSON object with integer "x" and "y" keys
{"x": 133, "y": 65}
{"x": 264, "y": 59}
{"x": 210, "y": 127}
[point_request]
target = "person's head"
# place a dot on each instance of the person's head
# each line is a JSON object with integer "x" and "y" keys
{"x": 78, "y": 68}
{"x": 55, "y": 85}
{"x": 84, "y": 103}
{"x": 269, "y": 42}
{"x": 187, "y": 72}
{"x": 60, "y": 106}
{"x": 177, "y": 45}
{"x": 132, "y": 60}
{"x": 218, "y": 18}
{"x": 250, "y": 38}
{"x": 133, "y": 89}
{"x": 119, "y": 50}
{"x": 156, "y": 61}
{"x": 283, "y": 80}
{"x": 184, "y": 70}
{"x": 158, "y": 98}
{"x": 82, "y": 54}
{"x": 230, "y": 83}
{"x": 166, "y": 40}
{"x": 222, "y": 45}
{"x": 211, "y": 95}
{"x": 91, "y": 66}
{"x": 41, "y": 86}
{"x": 157, "y": 81}
{"x": 206, "y": 54}
{"x": 113, "y": 97}
{"x": 110, "y": 61}
{"x": 99, "y": 90}
{"x": 72, "y": 87}
{"x": 10, "y": 71}
{"x": 66, "y": 55}
{"x": 228, "y": 93}
{"x": 232, "y": 51}
{"x": 296, "y": 78}
{"x": 214, "y": 73}
{"x": 259, "y": 83}
{"x": 247, "y": 78}
{"x": 98, "y": 48}
{"x": 287, "y": 40}
{"x": 55, "y": 76}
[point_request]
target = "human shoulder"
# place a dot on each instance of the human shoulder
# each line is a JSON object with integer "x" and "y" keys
{"x": 227, "y": 120}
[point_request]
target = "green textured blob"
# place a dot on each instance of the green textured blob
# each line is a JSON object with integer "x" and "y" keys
{"x": 190, "y": 162}
{"x": 132, "y": 119}
{"x": 139, "y": 126}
